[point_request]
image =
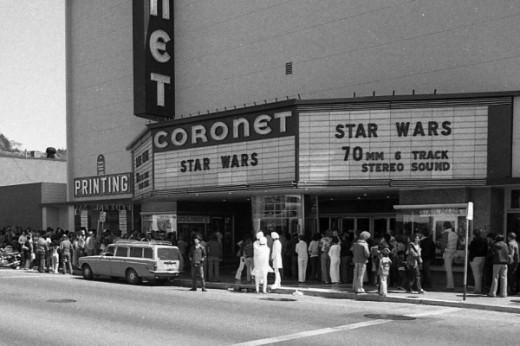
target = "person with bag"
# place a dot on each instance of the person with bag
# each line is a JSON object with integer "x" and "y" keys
{"x": 414, "y": 265}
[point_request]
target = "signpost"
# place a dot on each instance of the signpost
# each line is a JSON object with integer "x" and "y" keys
{"x": 469, "y": 217}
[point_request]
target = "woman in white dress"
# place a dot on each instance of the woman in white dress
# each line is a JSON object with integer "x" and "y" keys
{"x": 335, "y": 260}
{"x": 276, "y": 257}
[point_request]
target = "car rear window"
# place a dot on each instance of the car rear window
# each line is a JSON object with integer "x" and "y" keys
{"x": 168, "y": 253}
{"x": 136, "y": 252}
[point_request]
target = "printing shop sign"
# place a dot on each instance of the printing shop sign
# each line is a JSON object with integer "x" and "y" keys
{"x": 421, "y": 143}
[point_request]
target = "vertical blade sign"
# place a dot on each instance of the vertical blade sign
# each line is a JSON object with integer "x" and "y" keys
{"x": 153, "y": 59}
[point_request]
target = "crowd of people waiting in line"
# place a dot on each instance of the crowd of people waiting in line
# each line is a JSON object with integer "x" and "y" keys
{"x": 58, "y": 250}
{"x": 403, "y": 262}
{"x": 332, "y": 258}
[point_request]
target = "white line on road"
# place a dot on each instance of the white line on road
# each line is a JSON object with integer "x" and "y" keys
{"x": 345, "y": 327}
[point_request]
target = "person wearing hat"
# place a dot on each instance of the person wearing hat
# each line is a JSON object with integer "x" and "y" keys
{"x": 360, "y": 255}
{"x": 276, "y": 258}
{"x": 261, "y": 264}
{"x": 384, "y": 270}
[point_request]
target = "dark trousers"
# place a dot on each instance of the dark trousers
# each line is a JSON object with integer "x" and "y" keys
{"x": 426, "y": 274}
{"x": 41, "y": 260}
{"x": 197, "y": 269}
{"x": 414, "y": 278}
{"x": 512, "y": 279}
{"x": 314, "y": 265}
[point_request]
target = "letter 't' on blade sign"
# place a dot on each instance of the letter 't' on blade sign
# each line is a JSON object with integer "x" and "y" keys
{"x": 153, "y": 59}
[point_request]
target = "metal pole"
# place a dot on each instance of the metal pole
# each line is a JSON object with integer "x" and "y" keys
{"x": 466, "y": 260}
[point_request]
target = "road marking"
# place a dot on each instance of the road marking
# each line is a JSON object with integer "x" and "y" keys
{"x": 344, "y": 327}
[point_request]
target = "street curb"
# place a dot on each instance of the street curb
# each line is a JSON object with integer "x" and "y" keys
{"x": 360, "y": 297}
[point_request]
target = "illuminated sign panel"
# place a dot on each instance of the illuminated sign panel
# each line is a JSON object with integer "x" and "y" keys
{"x": 113, "y": 184}
{"x": 423, "y": 143}
{"x": 153, "y": 58}
{"x": 223, "y": 130}
{"x": 252, "y": 162}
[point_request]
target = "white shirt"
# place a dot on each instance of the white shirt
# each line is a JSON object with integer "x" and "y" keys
{"x": 301, "y": 249}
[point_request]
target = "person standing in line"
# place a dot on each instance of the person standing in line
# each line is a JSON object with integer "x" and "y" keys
{"x": 55, "y": 257}
{"x": 500, "y": 252}
{"x": 414, "y": 264}
{"x": 360, "y": 257}
{"x": 261, "y": 263}
{"x": 277, "y": 259}
{"x": 335, "y": 260}
{"x": 428, "y": 256}
{"x": 346, "y": 259}
{"x": 324, "y": 257}
{"x": 41, "y": 252}
{"x": 22, "y": 239}
{"x": 214, "y": 258}
{"x": 82, "y": 240}
{"x": 512, "y": 267}
{"x": 28, "y": 251}
{"x": 488, "y": 264}
{"x": 91, "y": 244}
{"x": 66, "y": 251}
{"x": 449, "y": 246}
{"x": 197, "y": 256}
{"x": 384, "y": 271}
{"x": 314, "y": 254}
{"x": 478, "y": 248}
{"x": 303, "y": 258}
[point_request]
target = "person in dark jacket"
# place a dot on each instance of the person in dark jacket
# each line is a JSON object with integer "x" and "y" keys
{"x": 488, "y": 265}
{"x": 478, "y": 249}
{"x": 197, "y": 257}
{"x": 428, "y": 255}
{"x": 500, "y": 253}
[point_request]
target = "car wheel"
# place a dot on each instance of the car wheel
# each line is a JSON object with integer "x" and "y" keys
{"x": 132, "y": 277}
{"x": 87, "y": 272}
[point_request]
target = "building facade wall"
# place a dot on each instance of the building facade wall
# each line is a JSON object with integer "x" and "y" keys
{"x": 233, "y": 53}
{"x": 20, "y": 205}
{"x": 16, "y": 171}
{"x": 100, "y": 117}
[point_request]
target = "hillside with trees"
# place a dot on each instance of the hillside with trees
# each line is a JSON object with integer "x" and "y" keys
{"x": 10, "y": 147}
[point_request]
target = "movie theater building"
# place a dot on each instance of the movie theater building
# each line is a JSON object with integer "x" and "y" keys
{"x": 390, "y": 164}
{"x": 238, "y": 116}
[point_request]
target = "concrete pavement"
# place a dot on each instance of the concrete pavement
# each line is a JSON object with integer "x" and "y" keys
{"x": 436, "y": 297}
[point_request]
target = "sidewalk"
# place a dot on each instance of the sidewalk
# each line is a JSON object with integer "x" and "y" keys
{"x": 344, "y": 291}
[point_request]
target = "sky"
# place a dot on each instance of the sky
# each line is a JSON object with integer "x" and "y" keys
{"x": 32, "y": 73}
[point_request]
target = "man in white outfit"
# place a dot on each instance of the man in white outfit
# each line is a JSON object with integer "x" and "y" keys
{"x": 276, "y": 257}
{"x": 449, "y": 244}
{"x": 303, "y": 257}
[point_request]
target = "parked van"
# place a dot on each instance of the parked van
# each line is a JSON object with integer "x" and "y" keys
{"x": 134, "y": 261}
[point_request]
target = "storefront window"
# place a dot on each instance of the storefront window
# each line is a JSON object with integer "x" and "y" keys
{"x": 281, "y": 214}
{"x": 432, "y": 220}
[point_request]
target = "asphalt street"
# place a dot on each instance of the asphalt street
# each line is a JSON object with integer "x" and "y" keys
{"x": 49, "y": 309}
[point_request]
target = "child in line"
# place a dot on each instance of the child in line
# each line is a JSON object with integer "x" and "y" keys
{"x": 384, "y": 271}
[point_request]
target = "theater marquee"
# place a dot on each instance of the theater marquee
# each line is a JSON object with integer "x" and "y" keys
{"x": 233, "y": 150}
{"x": 423, "y": 143}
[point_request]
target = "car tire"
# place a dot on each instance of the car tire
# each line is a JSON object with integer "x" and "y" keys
{"x": 132, "y": 277}
{"x": 87, "y": 272}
